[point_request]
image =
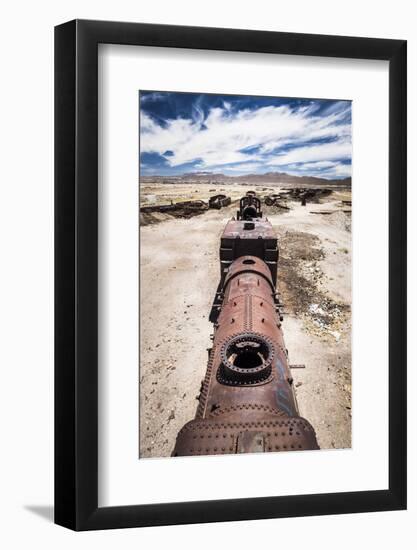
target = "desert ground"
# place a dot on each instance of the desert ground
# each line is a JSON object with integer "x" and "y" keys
{"x": 179, "y": 272}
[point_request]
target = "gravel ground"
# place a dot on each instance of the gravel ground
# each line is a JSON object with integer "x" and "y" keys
{"x": 179, "y": 275}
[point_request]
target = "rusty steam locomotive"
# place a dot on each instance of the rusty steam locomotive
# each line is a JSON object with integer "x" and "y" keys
{"x": 247, "y": 400}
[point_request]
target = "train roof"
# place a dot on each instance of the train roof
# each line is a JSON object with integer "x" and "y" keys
{"x": 254, "y": 229}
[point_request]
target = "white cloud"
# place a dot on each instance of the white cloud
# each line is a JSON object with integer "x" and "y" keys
{"x": 339, "y": 171}
{"x": 319, "y": 169}
{"x": 312, "y": 165}
{"x": 335, "y": 150}
{"x": 224, "y": 137}
{"x": 154, "y": 96}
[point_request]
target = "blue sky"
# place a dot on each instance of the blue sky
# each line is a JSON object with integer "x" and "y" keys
{"x": 236, "y": 135}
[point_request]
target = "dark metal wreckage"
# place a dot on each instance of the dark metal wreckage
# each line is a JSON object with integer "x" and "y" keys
{"x": 247, "y": 399}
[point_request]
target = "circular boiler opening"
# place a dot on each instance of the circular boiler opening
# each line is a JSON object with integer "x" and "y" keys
{"x": 248, "y": 354}
{"x": 248, "y": 360}
{"x": 248, "y": 262}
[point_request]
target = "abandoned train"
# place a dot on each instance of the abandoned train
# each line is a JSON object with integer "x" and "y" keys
{"x": 247, "y": 400}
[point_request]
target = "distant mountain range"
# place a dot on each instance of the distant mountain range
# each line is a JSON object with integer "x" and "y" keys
{"x": 281, "y": 178}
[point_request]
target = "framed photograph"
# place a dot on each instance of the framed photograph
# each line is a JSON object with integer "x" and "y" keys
{"x": 230, "y": 253}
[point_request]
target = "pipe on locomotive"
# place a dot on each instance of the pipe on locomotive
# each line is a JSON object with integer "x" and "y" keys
{"x": 247, "y": 400}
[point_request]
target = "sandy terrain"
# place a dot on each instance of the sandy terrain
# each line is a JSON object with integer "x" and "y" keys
{"x": 179, "y": 275}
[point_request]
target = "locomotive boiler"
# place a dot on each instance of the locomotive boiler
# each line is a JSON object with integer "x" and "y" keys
{"x": 247, "y": 399}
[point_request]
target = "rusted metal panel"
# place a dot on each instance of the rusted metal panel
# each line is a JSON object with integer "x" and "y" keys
{"x": 275, "y": 200}
{"x": 266, "y": 434}
{"x": 240, "y": 239}
{"x": 250, "y": 441}
{"x": 261, "y": 229}
{"x": 219, "y": 201}
{"x": 190, "y": 205}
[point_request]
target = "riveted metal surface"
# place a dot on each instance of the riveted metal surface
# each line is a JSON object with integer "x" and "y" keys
{"x": 212, "y": 437}
{"x": 247, "y": 408}
{"x": 258, "y": 348}
{"x": 250, "y": 264}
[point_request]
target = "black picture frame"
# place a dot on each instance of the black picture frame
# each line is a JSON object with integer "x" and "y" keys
{"x": 76, "y": 272}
